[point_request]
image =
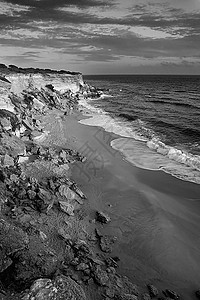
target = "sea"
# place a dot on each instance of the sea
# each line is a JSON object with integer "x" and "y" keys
{"x": 157, "y": 119}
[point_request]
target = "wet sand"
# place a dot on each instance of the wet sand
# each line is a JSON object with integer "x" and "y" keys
{"x": 155, "y": 217}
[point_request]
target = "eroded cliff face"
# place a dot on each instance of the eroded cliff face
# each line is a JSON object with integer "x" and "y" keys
{"x": 16, "y": 83}
{"x": 61, "y": 82}
{"x": 5, "y": 102}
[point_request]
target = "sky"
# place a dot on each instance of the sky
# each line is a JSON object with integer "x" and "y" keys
{"x": 102, "y": 36}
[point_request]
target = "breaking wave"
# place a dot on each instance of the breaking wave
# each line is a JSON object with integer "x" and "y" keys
{"x": 142, "y": 147}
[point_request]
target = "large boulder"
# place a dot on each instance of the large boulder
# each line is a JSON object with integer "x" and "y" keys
{"x": 102, "y": 217}
{"x": 11, "y": 145}
{"x": 61, "y": 288}
{"x": 12, "y": 240}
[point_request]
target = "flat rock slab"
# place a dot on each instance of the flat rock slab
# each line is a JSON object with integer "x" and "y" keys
{"x": 61, "y": 288}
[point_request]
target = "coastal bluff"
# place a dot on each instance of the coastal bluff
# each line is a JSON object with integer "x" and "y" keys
{"x": 16, "y": 80}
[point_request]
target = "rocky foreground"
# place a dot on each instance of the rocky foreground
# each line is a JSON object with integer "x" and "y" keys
{"x": 47, "y": 250}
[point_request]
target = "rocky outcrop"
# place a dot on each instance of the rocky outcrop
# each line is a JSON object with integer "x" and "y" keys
{"x": 60, "y": 288}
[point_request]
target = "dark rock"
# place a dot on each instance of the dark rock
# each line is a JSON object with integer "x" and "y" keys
{"x": 128, "y": 297}
{"x": 110, "y": 262}
{"x": 146, "y": 296}
{"x": 82, "y": 267}
{"x": 197, "y": 293}
{"x": 100, "y": 276}
{"x": 31, "y": 194}
{"x": 78, "y": 191}
{"x": 106, "y": 243}
{"x": 61, "y": 288}
{"x": 110, "y": 292}
{"x": 45, "y": 201}
{"x": 27, "y": 125}
{"x": 74, "y": 262}
{"x": 102, "y": 217}
{"x": 98, "y": 233}
{"x": 5, "y": 262}
{"x": 153, "y": 291}
{"x": 12, "y": 239}
{"x": 171, "y": 294}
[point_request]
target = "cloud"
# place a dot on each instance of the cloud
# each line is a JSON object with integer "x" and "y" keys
{"x": 100, "y": 31}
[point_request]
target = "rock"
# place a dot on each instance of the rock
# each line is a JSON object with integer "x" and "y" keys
{"x": 38, "y": 137}
{"x": 61, "y": 170}
{"x": 8, "y": 161}
{"x": 197, "y": 293}
{"x": 12, "y": 239}
{"x": 61, "y": 288}
{"x": 38, "y": 105}
{"x": 78, "y": 191}
{"x": 63, "y": 155}
{"x": 23, "y": 159}
{"x": 153, "y": 291}
{"x": 110, "y": 292}
{"x": 31, "y": 194}
{"x": 5, "y": 262}
{"x": 110, "y": 262}
{"x": 6, "y": 124}
{"x": 98, "y": 233}
{"x": 27, "y": 125}
{"x": 45, "y": 201}
{"x": 146, "y": 296}
{"x": 102, "y": 217}
{"x": 11, "y": 145}
{"x": 67, "y": 208}
{"x": 14, "y": 178}
{"x": 42, "y": 235}
{"x": 106, "y": 243}
{"x": 64, "y": 234}
{"x": 100, "y": 276}
{"x": 171, "y": 294}
{"x": 129, "y": 297}
{"x": 66, "y": 192}
{"x": 82, "y": 267}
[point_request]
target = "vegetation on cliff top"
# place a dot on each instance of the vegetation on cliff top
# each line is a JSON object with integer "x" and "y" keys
{"x": 12, "y": 68}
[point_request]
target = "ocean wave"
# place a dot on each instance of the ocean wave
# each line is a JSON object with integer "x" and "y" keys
{"x": 170, "y": 160}
{"x": 143, "y": 148}
{"x": 192, "y": 132}
{"x": 173, "y": 103}
{"x": 127, "y": 116}
{"x": 175, "y": 154}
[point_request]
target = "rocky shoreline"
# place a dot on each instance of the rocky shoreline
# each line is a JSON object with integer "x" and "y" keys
{"x": 48, "y": 250}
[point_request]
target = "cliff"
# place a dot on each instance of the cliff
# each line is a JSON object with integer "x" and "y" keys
{"x": 5, "y": 87}
{"x": 17, "y": 82}
{"x": 61, "y": 82}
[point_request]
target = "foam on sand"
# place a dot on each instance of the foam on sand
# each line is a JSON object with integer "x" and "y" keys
{"x": 142, "y": 147}
{"x": 140, "y": 155}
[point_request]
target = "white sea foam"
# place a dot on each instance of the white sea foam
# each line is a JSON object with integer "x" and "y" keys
{"x": 138, "y": 154}
{"x": 140, "y": 147}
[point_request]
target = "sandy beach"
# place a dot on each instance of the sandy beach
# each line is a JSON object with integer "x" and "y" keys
{"x": 155, "y": 217}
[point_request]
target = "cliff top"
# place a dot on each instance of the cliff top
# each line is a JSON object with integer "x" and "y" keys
{"x": 14, "y": 69}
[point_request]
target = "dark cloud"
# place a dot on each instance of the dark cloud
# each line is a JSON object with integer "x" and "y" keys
{"x": 52, "y": 4}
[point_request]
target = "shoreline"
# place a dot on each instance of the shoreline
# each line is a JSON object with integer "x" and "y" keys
{"x": 143, "y": 152}
{"x": 154, "y": 184}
